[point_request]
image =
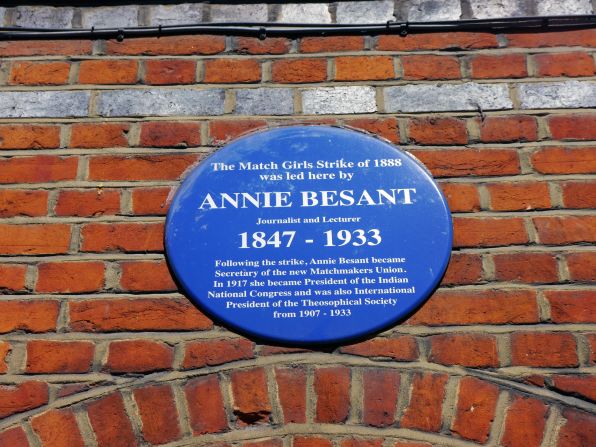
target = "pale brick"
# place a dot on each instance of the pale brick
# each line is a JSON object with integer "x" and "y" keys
{"x": 342, "y": 100}
{"x": 160, "y": 102}
{"x": 264, "y": 101}
{"x": 304, "y": 13}
{"x": 559, "y": 7}
{"x": 365, "y": 12}
{"x": 555, "y": 95}
{"x": 447, "y": 97}
{"x": 481, "y": 9}
{"x": 182, "y": 14}
{"x": 43, "y": 104}
{"x": 431, "y": 10}
{"x": 256, "y": 12}
{"x": 111, "y": 17}
{"x": 43, "y": 17}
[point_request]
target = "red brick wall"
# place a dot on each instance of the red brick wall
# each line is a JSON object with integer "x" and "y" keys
{"x": 98, "y": 347}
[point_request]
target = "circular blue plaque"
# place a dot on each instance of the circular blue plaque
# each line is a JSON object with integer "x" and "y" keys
{"x": 308, "y": 235}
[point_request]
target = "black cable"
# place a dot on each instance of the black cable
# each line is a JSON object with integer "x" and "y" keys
{"x": 269, "y": 29}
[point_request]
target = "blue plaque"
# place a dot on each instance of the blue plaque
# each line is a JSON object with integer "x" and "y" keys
{"x": 308, "y": 235}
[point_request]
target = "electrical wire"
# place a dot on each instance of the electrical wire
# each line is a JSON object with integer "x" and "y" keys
{"x": 263, "y": 30}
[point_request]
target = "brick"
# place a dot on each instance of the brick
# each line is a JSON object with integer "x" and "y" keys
{"x": 243, "y": 13}
{"x": 572, "y": 306}
{"x": 469, "y": 162}
{"x": 125, "y": 237}
{"x": 363, "y": 68}
{"x": 381, "y": 388}
{"x": 170, "y": 71}
{"x": 70, "y": 389}
{"x": 564, "y": 64}
{"x": 363, "y": 12}
{"x": 490, "y": 232}
{"x": 176, "y": 14}
{"x": 299, "y": 70}
{"x": 115, "y": 17}
{"x": 264, "y": 443}
{"x": 411, "y": 444}
{"x": 4, "y": 350}
{"x": 484, "y": 10}
{"x": 572, "y": 127}
{"x": 470, "y": 350}
{"x": 476, "y": 405}
{"x": 437, "y": 41}
{"x": 508, "y": 129}
{"x": 498, "y": 66}
{"x": 58, "y": 428}
{"x": 139, "y": 356}
{"x": 158, "y": 413}
{"x": 150, "y": 201}
{"x": 310, "y": 441}
{"x": 205, "y": 405}
{"x": 437, "y": 131}
{"x": 38, "y": 169}
{"x": 49, "y": 357}
{"x": 332, "y": 388}
{"x": 110, "y": 422}
{"x": 430, "y": 67}
{"x": 579, "y": 429}
{"x": 339, "y": 100}
{"x": 382, "y": 127}
{"x": 542, "y": 349}
{"x": 264, "y": 101}
{"x": 424, "y": 10}
{"x": 167, "y": 134}
{"x": 136, "y": 315}
{"x": 276, "y": 350}
{"x": 253, "y": 45}
{"x": 524, "y": 423}
{"x": 22, "y": 397}
{"x": 526, "y": 267}
{"x": 565, "y": 229}
{"x": 553, "y": 7}
{"x": 304, "y": 13}
{"x": 216, "y": 352}
{"x": 45, "y": 48}
{"x": 88, "y": 203}
{"x": 359, "y": 442}
{"x": 581, "y": 386}
{"x": 99, "y": 135}
{"x": 146, "y": 167}
{"x": 167, "y": 46}
{"x": 232, "y": 71}
{"x": 12, "y": 277}
{"x": 571, "y": 160}
{"x": 402, "y": 348}
{"x": 72, "y": 277}
{"x": 487, "y": 307}
{"x": 583, "y": 38}
{"x": 146, "y": 276}
{"x": 25, "y": 136}
{"x": 108, "y": 72}
{"x": 519, "y": 196}
{"x": 579, "y": 194}
{"x": 291, "y": 388}
{"x": 582, "y": 266}
{"x": 44, "y": 104}
{"x": 30, "y": 316}
{"x": 15, "y": 202}
{"x": 461, "y": 197}
{"x": 557, "y": 95}
{"x": 42, "y": 239}
{"x": 222, "y": 131}
{"x": 463, "y": 268}
{"x": 13, "y": 437}
{"x": 39, "y": 73}
{"x": 424, "y": 409}
{"x": 331, "y": 44}
{"x": 250, "y": 396}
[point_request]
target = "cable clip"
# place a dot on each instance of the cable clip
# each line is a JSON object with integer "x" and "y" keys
{"x": 262, "y": 33}
{"x": 120, "y": 35}
{"x": 158, "y": 31}
{"x": 402, "y": 27}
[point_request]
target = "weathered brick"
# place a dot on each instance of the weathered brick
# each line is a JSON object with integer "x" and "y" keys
{"x": 38, "y": 169}
{"x": 136, "y": 315}
{"x": 14, "y": 437}
{"x": 489, "y": 232}
{"x": 264, "y": 101}
{"x": 568, "y": 160}
{"x": 146, "y": 167}
{"x": 464, "y": 268}
{"x": 507, "y": 8}
{"x": 43, "y": 17}
{"x": 228, "y": 71}
{"x": 579, "y": 429}
{"x": 424, "y": 409}
{"x": 291, "y": 386}
{"x": 564, "y": 64}
{"x": 572, "y": 127}
{"x": 58, "y": 428}
{"x": 39, "y": 73}
{"x": 299, "y": 70}
{"x": 22, "y": 397}
{"x": 543, "y": 349}
{"x": 437, "y": 131}
{"x": 4, "y": 350}
{"x": 44, "y": 104}
{"x": 430, "y": 67}
{"x": 583, "y": 38}
{"x": 48, "y": 356}
{"x": 23, "y": 136}
{"x": 330, "y": 44}
{"x": 519, "y": 196}
{"x": 98, "y": 135}
{"x": 582, "y": 266}
{"x": 339, "y": 100}
{"x": 44, "y": 47}
{"x": 239, "y": 13}
{"x": 150, "y": 201}
{"x": 253, "y": 45}
{"x": 381, "y": 388}
{"x": 110, "y": 422}
{"x": 487, "y": 307}
{"x": 185, "y": 13}
{"x": 437, "y": 41}
{"x": 122, "y": 16}
{"x": 167, "y": 134}
{"x": 508, "y": 129}
{"x": 222, "y": 131}
{"x": 250, "y": 396}
{"x": 12, "y": 277}
{"x": 474, "y": 162}
{"x": 524, "y": 423}
{"x": 139, "y": 356}
{"x": 565, "y": 229}
{"x": 557, "y": 95}
{"x": 216, "y": 352}
{"x": 158, "y": 413}
{"x": 363, "y": 12}
{"x": 363, "y": 68}
{"x": 42, "y": 239}
{"x": 470, "y": 350}
{"x": 146, "y": 276}
{"x": 402, "y": 348}
{"x": 205, "y": 405}
{"x": 476, "y": 406}
{"x": 304, "y": 13}
{"x": 582, "y": 386}
{"x": 383, "y": 127}
{"x": 126, "y": 237}
{"x": 170, "y": 71}
{"x": 168, "y": 45}
{"x": 31, "y": 316}
{"x": 526, "y": 267}
{"x": 571, "y": 306}
{"x": 461, "y": 197}
{"x": 498, "y": 66}
{"x": 88, "y": 203}
{"x": 18, "y": 202}
{"x": 332, "y": 387}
